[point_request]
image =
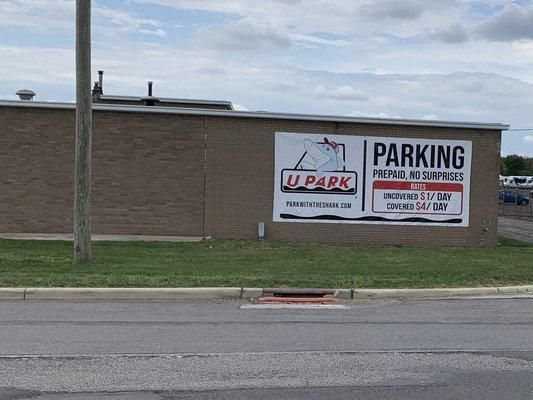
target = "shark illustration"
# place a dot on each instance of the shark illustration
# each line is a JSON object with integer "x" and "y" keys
{"x": 323, "y": 157}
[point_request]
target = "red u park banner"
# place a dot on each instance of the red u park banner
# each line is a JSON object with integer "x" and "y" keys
{"x": 371, "y": 180}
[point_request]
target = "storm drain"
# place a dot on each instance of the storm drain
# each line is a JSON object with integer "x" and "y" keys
{"x": 280, "y": 295}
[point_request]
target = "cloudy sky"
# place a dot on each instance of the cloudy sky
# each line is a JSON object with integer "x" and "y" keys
{"x": 466, "y": 60}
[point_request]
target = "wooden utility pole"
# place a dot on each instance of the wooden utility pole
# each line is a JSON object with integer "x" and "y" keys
{"x": 82, "y": 178}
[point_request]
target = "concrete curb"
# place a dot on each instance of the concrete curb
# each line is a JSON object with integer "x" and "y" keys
{"x": 251, "y": 293}
{"x": 228, "y": 293}
{"x": 345, "y": 294}
{"x": 438, "y": 293}
{"x": 132, "y": 293}
{"x": 12, "y": 293}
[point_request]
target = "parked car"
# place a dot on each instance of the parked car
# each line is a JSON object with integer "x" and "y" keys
{"x": 507, "y": 197}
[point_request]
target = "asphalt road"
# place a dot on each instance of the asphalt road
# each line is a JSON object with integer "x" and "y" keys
{"x": 453, "y": 349}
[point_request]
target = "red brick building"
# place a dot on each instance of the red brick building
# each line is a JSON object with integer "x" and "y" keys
{"x": 200, "y": 168}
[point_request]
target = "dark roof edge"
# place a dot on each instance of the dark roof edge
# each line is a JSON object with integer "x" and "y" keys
{"x": 262, "y": 114}
{"x": 169, "y": 100}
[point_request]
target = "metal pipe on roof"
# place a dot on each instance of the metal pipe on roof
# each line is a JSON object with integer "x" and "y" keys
{"x": 150, "y": 100}
{"x": 101, "y": 81}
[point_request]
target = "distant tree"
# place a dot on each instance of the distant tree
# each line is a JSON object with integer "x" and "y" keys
{"x": 514, "y": 164}
{"x": 529, "y": 166}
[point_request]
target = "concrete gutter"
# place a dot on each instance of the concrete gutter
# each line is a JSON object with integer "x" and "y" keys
{"x": 235, "y": 293}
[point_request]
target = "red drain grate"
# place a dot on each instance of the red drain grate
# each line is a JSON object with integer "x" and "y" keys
{"x": 276, "y": 299}
{"x": 286, "y": 292}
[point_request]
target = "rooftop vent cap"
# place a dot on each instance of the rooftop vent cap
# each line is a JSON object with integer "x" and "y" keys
{"x": 150, "y": 100}
{"x": 97, "y": 88}
{"x": 25, "y": 94}
{"x": 101, "y": 81}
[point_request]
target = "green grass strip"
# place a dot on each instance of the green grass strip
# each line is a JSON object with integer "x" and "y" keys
{"x": 263, "y": 264}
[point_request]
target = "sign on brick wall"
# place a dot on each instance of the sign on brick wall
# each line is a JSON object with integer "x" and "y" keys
{"x": 372, "y": 180}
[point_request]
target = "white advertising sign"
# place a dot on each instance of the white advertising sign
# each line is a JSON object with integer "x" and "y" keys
{"x": 372, "y": 180}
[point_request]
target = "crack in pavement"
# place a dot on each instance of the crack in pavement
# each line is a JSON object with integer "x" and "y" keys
{"x": 526, "y": 354}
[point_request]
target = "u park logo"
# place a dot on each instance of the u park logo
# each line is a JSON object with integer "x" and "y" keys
{"x": 321, "y": 168}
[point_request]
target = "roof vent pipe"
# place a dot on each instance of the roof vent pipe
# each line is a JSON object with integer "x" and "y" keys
{"x": 96, "y": 92}
{"x": 101, "y": 81}
{"x": 150, "y": 100}
{"x": 25, "y": 94}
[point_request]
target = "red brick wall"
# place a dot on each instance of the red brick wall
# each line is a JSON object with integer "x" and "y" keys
{"x": 147, "y": 172}
{"x": 148, "y": 177}
{"x": 240, "y": 173}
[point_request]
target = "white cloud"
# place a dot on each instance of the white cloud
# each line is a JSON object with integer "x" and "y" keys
{"x": 455, "y": 33}
{"x": 528, "y": 138}
{"x": 319, "y": 41}
{"x": 241, "y": 36}
{"x": 37, "y": 15}
{"x": 337, "y": 17}
{"x": 514, "y": 22}
{"x": 240, "y": 107}
{"x": 395, "y": 9}
{"x": 372, "y": 115}
{"x": 55, "y": 65}
{"x": 156, "y": 32}
{"x": 345, "y": 92}
{"x": 125, "y": 22}
{"x": 46, "y": 15}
